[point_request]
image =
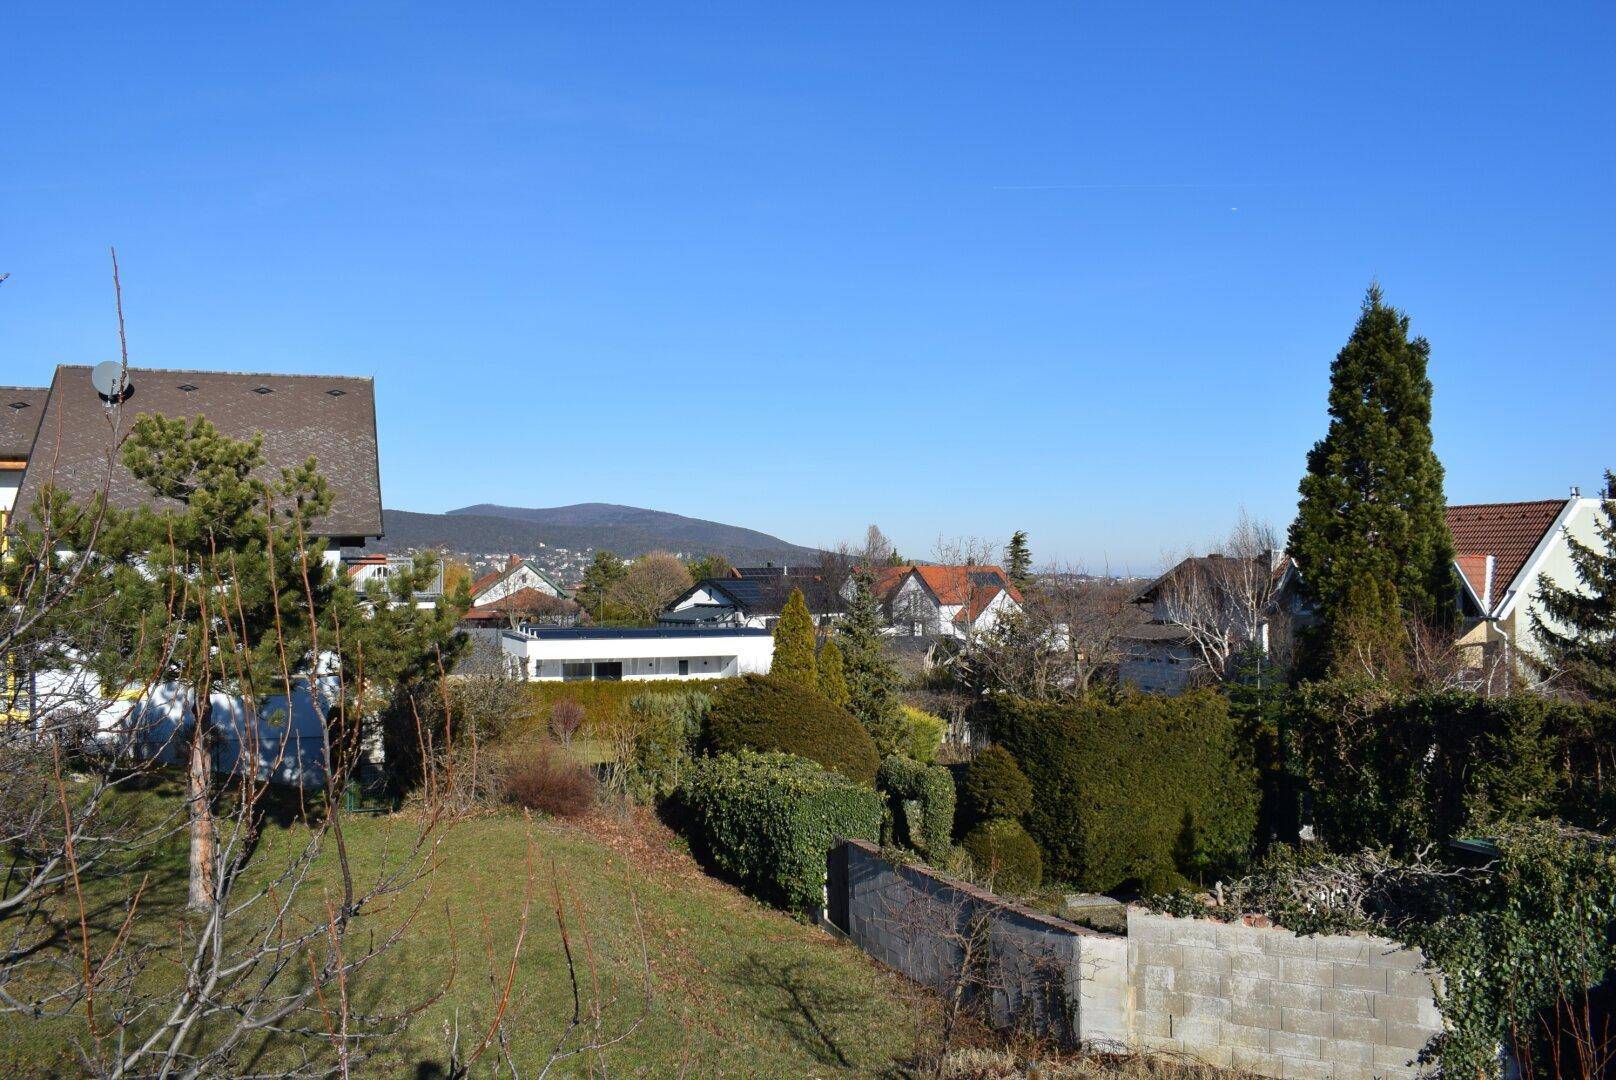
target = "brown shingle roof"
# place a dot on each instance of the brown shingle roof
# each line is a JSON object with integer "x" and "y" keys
{"x": 327, "y": 417}
{"x": 20, "y": 410}
{"x": 1509, "y": 532}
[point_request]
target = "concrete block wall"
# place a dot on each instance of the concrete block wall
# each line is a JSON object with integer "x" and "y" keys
{"x": 1028, "y": 968}
{"x": 1254, "y": 997}
{"x": 1276, "y": 1003}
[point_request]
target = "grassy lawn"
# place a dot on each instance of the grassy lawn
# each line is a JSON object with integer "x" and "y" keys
{"x": 736, "y": 989}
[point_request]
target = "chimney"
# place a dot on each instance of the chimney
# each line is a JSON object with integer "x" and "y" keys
{"x": 1576, "y": 492}
{"x": 1275, "y": 558}
{"x": 513, "y": 562}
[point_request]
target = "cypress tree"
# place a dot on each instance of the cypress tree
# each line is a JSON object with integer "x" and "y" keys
{"x": 872, "y": 681}
{"x": 1579, "y": 635}
{"x": 1018, "y": 560}
{"x": 1370, "y": 536}
{"x": 794, "y": 644}
{"x": 832, "y": 683}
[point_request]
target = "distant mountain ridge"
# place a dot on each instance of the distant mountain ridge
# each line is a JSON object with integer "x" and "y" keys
{"x": 487, "y": 528}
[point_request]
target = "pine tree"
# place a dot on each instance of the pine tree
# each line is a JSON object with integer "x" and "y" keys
{"x": 1372, "y": 508}
{"x": 1579, "y": 635}
{"x": 601, "y": 577}
{"x": 223, "y": 588}
{"x": 832, "y": 683}
{"x": 872, "y": 680}
{"x": 1018, "y": 560}
{"x": 794, "y": 644}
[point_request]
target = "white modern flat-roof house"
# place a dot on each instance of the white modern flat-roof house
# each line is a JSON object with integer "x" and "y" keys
{"x": 581, "y": 655}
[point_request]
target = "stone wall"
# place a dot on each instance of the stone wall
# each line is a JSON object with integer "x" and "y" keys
{"x": 1249, "y": 996}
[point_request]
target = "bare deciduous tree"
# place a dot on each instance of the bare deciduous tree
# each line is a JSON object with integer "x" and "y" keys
{"x": 1227, "y": 601}
{"x": 651, "y": 582}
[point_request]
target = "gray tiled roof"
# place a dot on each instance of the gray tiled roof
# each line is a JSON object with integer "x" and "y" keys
{"x": 327, "y": 417}
{"x": 20, "y": 410}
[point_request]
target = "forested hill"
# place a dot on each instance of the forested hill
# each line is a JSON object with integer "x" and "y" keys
{"x": 627, "y": 530}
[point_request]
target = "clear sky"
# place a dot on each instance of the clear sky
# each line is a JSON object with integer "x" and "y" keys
{"x": 953, "y": 268}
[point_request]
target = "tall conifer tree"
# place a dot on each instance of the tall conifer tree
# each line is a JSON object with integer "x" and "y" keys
{"x": 1370, "y": 529}
{"x": 832, "y": 683}
{"x": 1579, "y": 635}
{"x": 872, "y": 680}
{"x": 794, "y": 644}
{"x": 1018, "y": 560}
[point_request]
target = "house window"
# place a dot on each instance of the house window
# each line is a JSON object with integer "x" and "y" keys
{"x": 577, "y": 671}
{"x": 684, "y": 667}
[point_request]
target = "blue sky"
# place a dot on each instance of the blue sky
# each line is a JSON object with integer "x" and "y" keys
{"x": 956, "y": 269}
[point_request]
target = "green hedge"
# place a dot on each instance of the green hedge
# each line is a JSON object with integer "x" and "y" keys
{"x": 1004, "y": 856}
{"x": 1409, "y": 770}
{"x": 921, "y": 798}
{"x": 758, "y": 712}
{"x": 1137, "y": 790}
{"x": 666, "y": 728}
{"x": 605, "y": 703}
{"x": 770, "y": 820}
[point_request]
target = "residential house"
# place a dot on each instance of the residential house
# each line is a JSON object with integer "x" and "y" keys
{"x": 362, "y": 569}
{"x": 1202, "y": 611}
{"x": 753, "y": 597}
{"x": 539, "y": 653}
{"x": 942, "y": 601}
{"x": 20, "y": 410}
{"x": 64, "y": 433}
{"x": 1503, "y": 552}
{"x": 518, "y": 574}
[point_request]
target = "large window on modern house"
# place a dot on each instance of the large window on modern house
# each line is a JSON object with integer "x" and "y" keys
{"x": 684, "y": 667}
{"x": 579, "y": 671}
{"x": 609, "y": 670}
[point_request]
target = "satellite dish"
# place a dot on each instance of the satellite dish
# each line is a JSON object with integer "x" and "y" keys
{"x": 109, "y": 381}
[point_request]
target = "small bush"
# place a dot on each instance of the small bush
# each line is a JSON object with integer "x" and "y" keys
{"x": 666, "y": 727}
{"x": 547, "y": 779}
{"x": 1004, "y": 856}
{"x": 770, "y": 820}
{"x": 924, "y": 734}
{"x": 995, "y": 786}
{"x": 764, "y": 714}
{"x": 566, "y": 717}
{"x": 921, "y": 799}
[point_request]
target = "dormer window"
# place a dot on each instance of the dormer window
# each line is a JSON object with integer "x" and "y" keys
{"x": 188, "y": 388}
{"x": 262, "y": 390}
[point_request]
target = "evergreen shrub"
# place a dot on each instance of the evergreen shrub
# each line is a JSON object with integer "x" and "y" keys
{"x": 666, "y": 727}
{"x": 1140, "y": 789}
{"x": 921, "y": 799}
{"x": 759, "y": 712}
{"x": 605, "y": 703}
{"x": 995, "y": 786}
{"x": 1004, "y": 856}
{"x": 924, "y": 733}
{"x": 770, "y": 820}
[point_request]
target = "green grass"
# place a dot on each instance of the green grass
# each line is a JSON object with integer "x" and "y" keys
{"x": 736, "y": 989}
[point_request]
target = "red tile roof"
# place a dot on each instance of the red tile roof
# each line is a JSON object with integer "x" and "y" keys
{"x": 971, "y": 588}
{"x": 1509, "y": 532}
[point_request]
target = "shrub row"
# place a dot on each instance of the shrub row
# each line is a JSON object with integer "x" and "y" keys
{"x": 921, "y": 800}
{"x": 770, "y": 820}
{"x": 758, "y": 712}
{"x": 605, "y": 703}
{"x": 1409, "y": 770}
{"x": 1138, "y": 790}
{"x": 665, "y": 730}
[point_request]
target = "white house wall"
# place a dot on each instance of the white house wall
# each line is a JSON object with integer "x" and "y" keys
{"x": 1581, "y": 522}
{"x": 523, "y": 577}
{"x": 710, "y": 656}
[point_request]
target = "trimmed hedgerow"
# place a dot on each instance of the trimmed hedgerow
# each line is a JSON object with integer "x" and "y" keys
{"x": 665, "y": 729}
{"x": 1142, "y": 789}
{"x": 1004, "y": 856}
{"x": 995, "y": 786}
{"x": 605, "y": 703}
{"x": 758, "y": 712}
{"x": 770, "y": 819}
{"x": 921, "y": 798}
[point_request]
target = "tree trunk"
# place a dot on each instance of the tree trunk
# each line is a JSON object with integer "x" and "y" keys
{"x": 199, "y": 793}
